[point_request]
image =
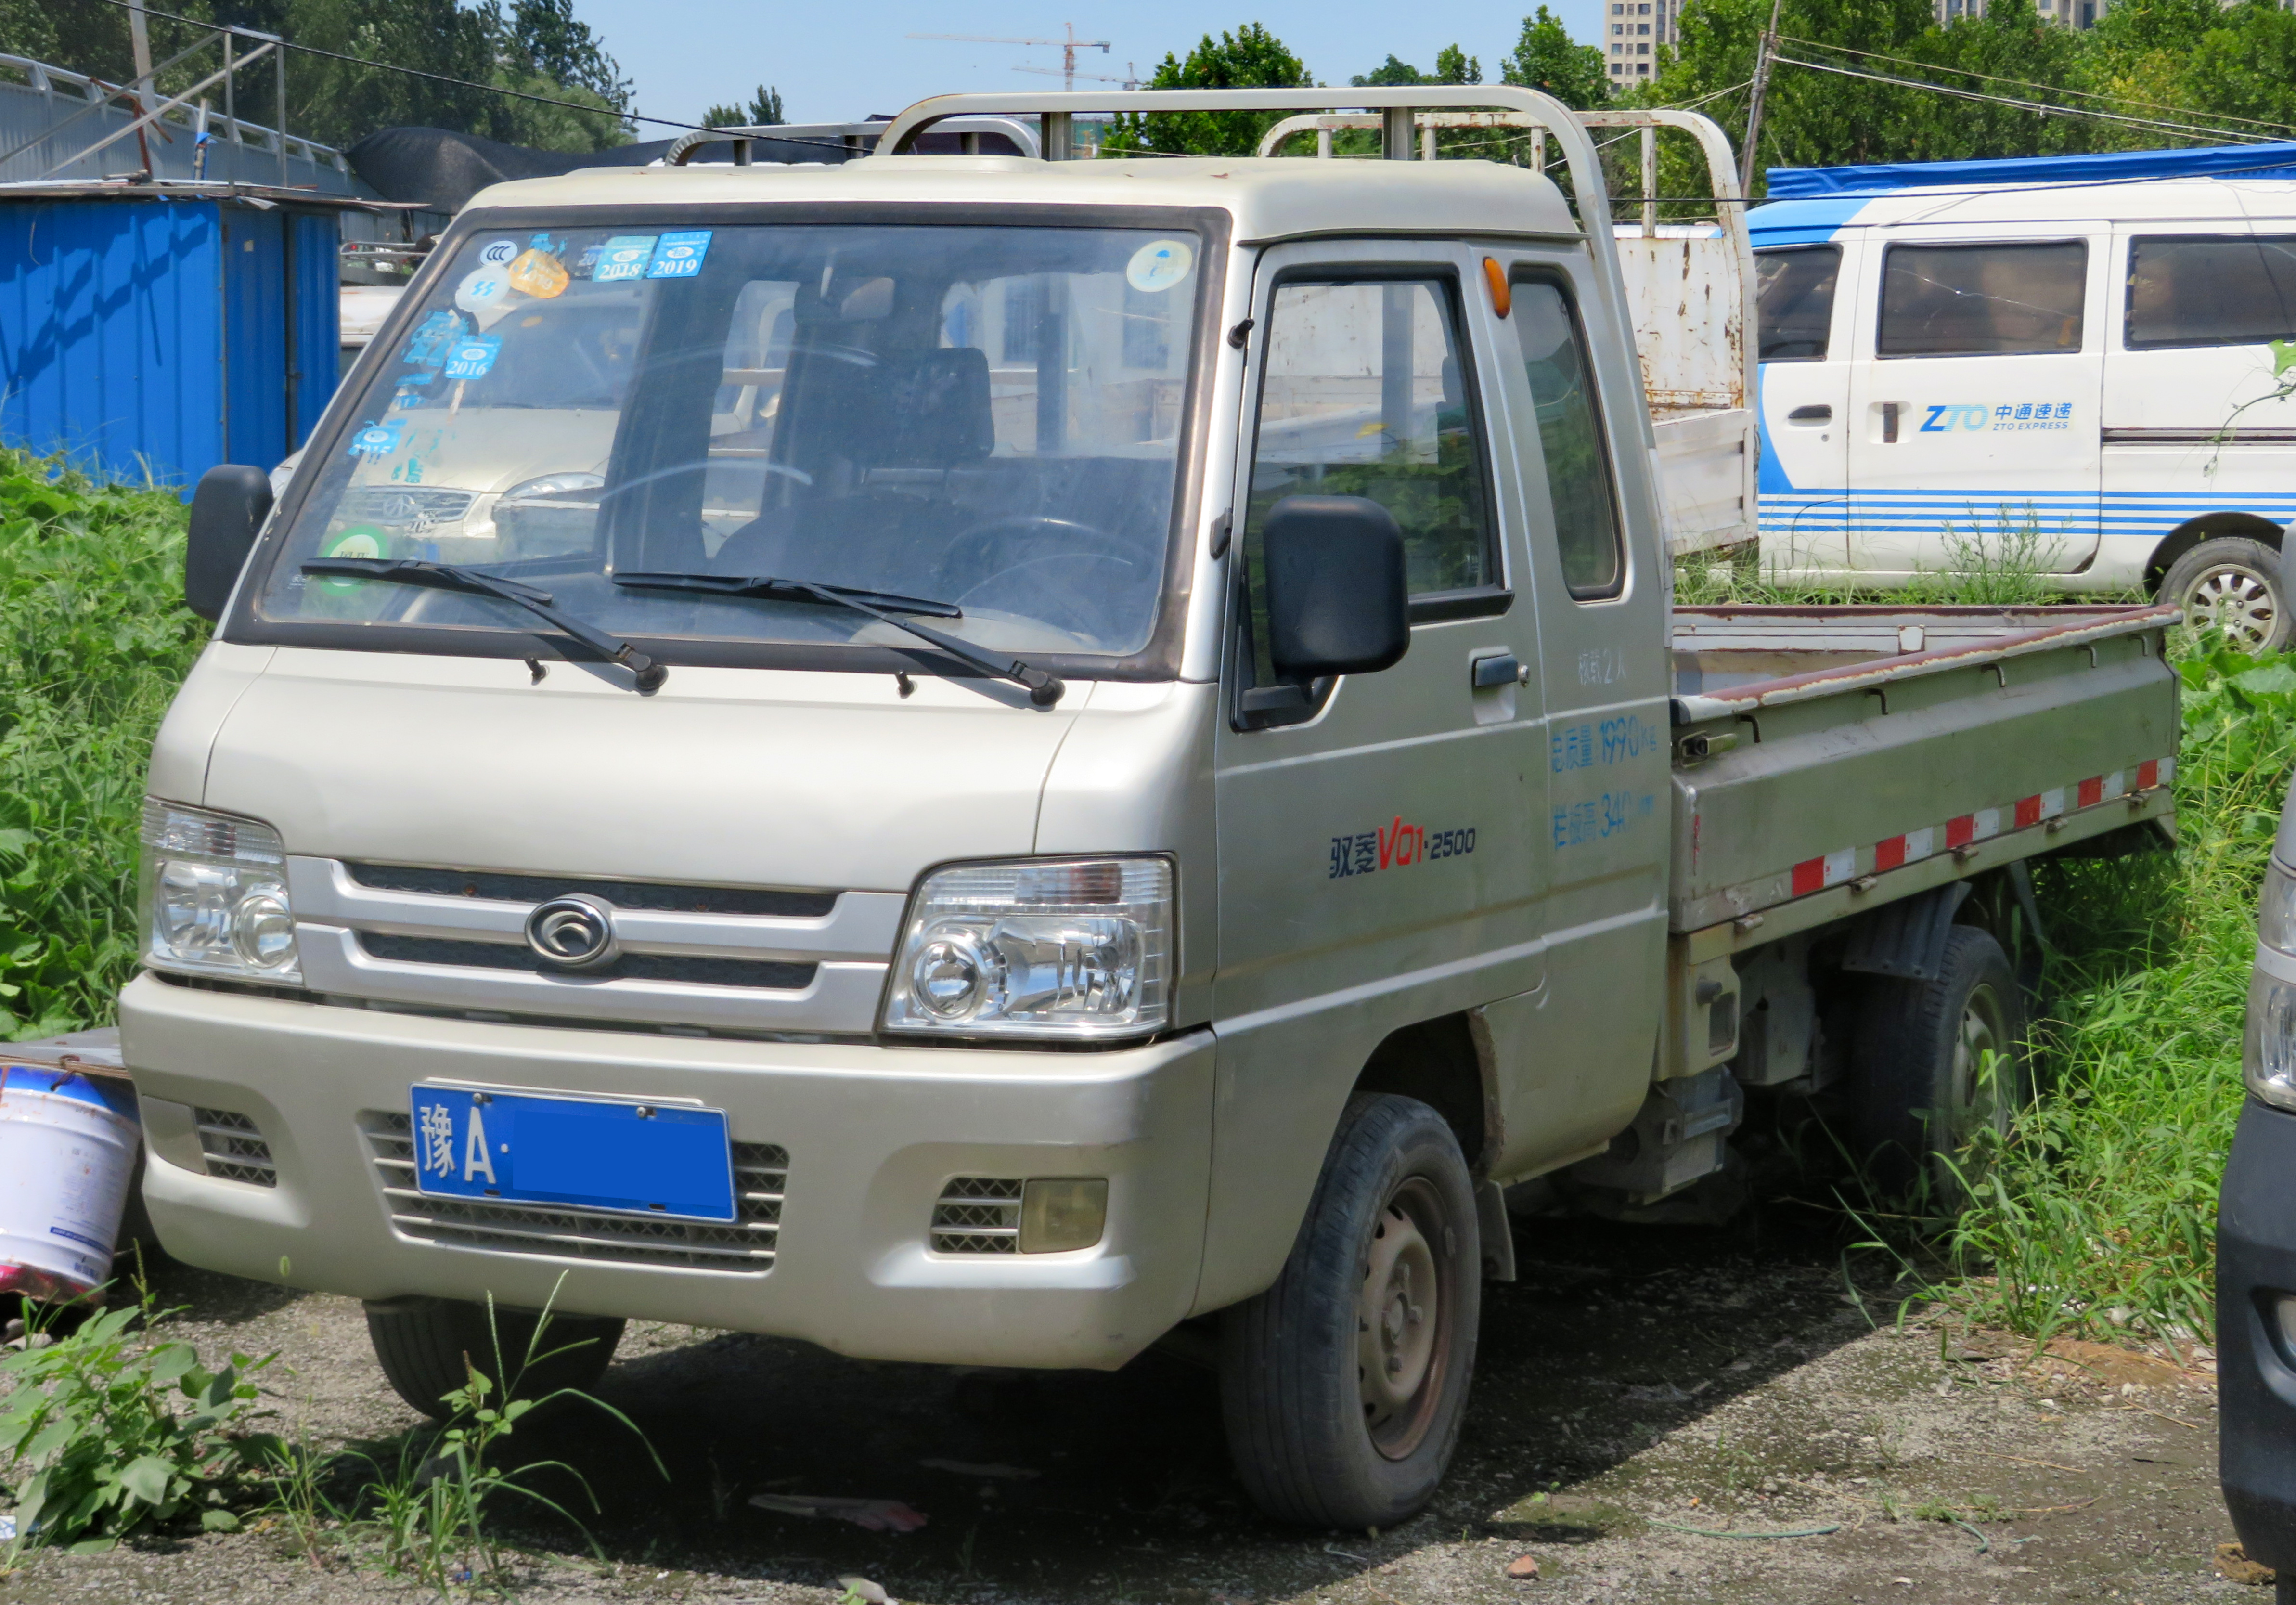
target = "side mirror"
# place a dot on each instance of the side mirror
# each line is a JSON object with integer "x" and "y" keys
{"x": 1337, "y": 599}
{"x": 227, "y": 511}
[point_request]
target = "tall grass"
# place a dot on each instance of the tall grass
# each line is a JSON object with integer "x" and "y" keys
{"x": 94, "y": 639}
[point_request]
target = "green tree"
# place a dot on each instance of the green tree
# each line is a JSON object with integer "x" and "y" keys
{"x": 1391, "y": 71}
{"x": 764, "y": 109}
{"x": 1546, "y": 58}
{"x": 2245, "y": 66}
{"x": 1250, "y": 58}
{"x": 2010, "y": 42}
{"x": 1454, "y": 65}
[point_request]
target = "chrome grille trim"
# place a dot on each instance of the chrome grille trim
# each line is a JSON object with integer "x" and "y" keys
{"x": 235, "y": 1147}
{"x": 662, "y": 897}
{"x": 846, "y": 949}
{"x": 746, "y": 1246}
{"x": 978, "y": 1214}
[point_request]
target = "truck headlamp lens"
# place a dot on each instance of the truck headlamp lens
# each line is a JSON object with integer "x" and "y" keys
{"x": 2275, "y": 910}
{"x": 1079, "y": 949}
{"x": 214, "y": 896}
{"x": 2268, "y": 1052}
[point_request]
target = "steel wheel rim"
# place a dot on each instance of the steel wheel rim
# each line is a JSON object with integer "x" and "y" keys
{"x": 1403, "y": 1317}
{"x": 1979, "y": 1103}
{"x": 2237, "y": 600}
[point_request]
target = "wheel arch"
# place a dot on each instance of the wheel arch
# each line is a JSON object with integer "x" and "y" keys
{"x": 1447, "y": 1063}
{"x": 2189, "y": 534}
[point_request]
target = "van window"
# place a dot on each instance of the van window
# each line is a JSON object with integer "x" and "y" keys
{"x": 1794, "y": 301}
{"x": 1578, "y": 483}
{"x": 1361, "y": 395}
{"x": 2210, "y": 290}
{"x": 1982, "y": 300}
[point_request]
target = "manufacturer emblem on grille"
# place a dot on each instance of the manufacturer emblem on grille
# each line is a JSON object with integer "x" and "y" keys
{"x": 572, "y": 932}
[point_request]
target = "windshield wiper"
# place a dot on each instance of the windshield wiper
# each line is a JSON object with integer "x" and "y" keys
{"x": 648, "y": 672}
{"x": 1044, "y": 688}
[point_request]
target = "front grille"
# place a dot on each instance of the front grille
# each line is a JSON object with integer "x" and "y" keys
{"x": 747, "y": 1246}
{"x": 405, "y": 505}
{"x": 235, "y": 1149}
{"x": 763, "y": 974}
{"x": 657, "y": 897}
{"x": 978, "y": 1214}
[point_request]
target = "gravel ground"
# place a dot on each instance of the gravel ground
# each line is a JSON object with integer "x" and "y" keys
{"x": 1637, "y": 1382}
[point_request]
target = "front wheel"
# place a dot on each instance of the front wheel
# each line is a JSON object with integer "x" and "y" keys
{"x": 427, "y": 1347}
{"x": 2236, "y": 584}
{"x": 1343, "y": 1385}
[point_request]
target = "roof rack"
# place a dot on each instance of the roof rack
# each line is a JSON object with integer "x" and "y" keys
{"x": 856, "y": 139}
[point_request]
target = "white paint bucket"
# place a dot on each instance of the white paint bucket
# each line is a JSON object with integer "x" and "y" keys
{"x": 68, "y": 1145}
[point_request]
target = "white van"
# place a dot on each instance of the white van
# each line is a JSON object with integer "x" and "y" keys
{"x": 2074, "y": 372}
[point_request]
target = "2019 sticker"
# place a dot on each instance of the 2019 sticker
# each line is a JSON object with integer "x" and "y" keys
{"x": 625, "y": 257}
{"x": 680, "y": 255}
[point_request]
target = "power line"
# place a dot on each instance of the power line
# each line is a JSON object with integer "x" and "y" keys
{"x": 2038, "y": 107}
{"x": 2120, "y": 100}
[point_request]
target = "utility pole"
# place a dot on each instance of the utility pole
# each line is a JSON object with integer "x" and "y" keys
{"x": 1069, "y": 47}
{"x": 1763, "y": 52}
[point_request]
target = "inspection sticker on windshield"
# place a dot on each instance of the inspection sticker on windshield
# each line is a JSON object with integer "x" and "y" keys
{"x": 470, "y": 357}
{"x": 679, "y": 255}
{"x": 643, "y": 1159}
{"x": 497, "y": 253}
{"x": 1159, "y": 264}
{"x": 625, "y": 257}
{"x": 376, "y": 439}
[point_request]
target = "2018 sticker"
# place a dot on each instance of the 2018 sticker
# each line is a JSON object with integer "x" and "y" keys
{"x": 470, "y": 357}
{"x": 376, "y": 439}
{"x": 679, "y": 255}
{"x": 1159, "y": 264}
{"x": 625, "y": 257}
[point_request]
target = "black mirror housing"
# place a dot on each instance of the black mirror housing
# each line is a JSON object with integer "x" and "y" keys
{"x": 1338, "y": 602}
{"x": 227, "y": 512}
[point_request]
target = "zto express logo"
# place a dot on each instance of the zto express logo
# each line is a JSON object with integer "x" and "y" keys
{"x": 472, "y": 357}
{"x": 1968, "y": 417}
{"x": 625, "y": 257}
{"x": 679, "y": 255}
{"x": 1396, "y": 846}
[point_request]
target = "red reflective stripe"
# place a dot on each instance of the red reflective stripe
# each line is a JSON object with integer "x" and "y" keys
{"x": 1889, "y": 855}
{"x": 1960, "y": 832}
{"x": 1808, "y": 876}
{"x": 2091, "y": 793}
{"x": 2029, "y": 811}
{"x": 2148, "y": 775}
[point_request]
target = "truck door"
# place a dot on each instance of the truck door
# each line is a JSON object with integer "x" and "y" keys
{"x": 1377, "y": 834}
{"x": 1804, "y": 404}
{"x": 1974, "y": 426}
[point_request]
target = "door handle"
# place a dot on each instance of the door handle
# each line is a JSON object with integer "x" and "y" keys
{"x": 1500, "y": 669}
{"x": 1818, "y": 414}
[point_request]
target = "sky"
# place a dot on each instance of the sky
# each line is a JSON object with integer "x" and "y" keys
{"x": 835, "y": 65}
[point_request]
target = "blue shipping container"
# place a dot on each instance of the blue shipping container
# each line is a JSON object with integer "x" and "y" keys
{"x": 161, "y": 335}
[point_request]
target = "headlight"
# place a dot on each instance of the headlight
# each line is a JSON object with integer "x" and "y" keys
{"x": 1078, "y": 949}
{"x": 2275, "y": 910}
{"x": 213, "y": 895}
{"x": 2268, "y": 1052}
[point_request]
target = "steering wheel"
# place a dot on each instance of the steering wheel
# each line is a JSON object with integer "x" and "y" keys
{"x": 1103, "y": 564}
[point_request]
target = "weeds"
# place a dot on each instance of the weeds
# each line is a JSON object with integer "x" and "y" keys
{"x": 92, "y": 1415}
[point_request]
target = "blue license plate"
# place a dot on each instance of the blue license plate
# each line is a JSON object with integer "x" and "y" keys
{"x": 643, "y": 1159}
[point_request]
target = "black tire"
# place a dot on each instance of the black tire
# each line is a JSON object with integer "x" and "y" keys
{"x": 1342, "y": 1396}
{"x": 1921, "y": 1094}
{"x": 422, "y": 1343}
{"x": 2235, "y": 583}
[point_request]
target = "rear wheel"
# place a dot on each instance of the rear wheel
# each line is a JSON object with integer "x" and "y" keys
{"x": 2234, "y": 583}
{"x": 1940, "y": 1063}
{"x": 427, "y": 1347}
{"x": 1344, "y": 1384}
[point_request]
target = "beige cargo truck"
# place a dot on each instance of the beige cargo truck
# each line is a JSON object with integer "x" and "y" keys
{"x": 1107, "y": 752}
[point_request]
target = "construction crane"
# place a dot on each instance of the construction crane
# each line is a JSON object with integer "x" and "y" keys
{"x": 1130, "y": 80}
{"x": 1068, "y": 48}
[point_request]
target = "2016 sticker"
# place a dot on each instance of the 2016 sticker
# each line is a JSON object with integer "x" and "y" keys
{"x": 625, "y": 257}
{"x": 472, "y": 356}
{"x": 679, "y": 255}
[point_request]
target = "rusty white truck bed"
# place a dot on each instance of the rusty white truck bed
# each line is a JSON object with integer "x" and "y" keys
{"x": 1832, "y": 759}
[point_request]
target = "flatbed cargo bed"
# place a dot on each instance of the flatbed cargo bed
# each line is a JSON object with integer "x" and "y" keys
{"x": 1832, "y": 759}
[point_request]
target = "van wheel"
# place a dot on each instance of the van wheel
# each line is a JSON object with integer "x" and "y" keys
{"x": 2234, "y": 583}
{"x": 1344, "y": 1384}
{"x": 1939, "y": 1063}
{"x": 423, "y": 1342}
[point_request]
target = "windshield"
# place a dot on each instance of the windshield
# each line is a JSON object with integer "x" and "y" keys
{"x": 982, "y": 416}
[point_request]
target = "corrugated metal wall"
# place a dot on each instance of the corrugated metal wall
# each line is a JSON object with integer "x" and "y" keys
{"x": 161, "y": 337}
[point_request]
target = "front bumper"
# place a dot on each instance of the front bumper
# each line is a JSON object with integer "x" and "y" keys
{"x": 2256, "y": 1369}
{"x": 873, "y": 1135}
